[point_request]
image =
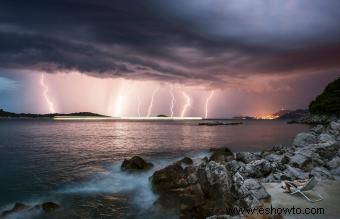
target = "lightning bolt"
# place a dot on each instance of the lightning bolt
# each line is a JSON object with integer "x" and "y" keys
{"x": 172, "y": 101}
{"x": 187, "y": 104}
{"x": 139, "y": 105}
{"x": 48, "y": 101}
{"x": 151, "y": 102}
{"x": 207, "y": 103}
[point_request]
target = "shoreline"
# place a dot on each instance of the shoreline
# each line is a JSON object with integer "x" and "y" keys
{"x": 237, "y": 179}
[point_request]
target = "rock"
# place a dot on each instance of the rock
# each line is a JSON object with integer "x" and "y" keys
{"x": 335, "y": 125}
{"x": 49, "y": 206}
{"x": 301, "y": 161}
{"x": 321, "y": 172}
{"x": 334, "y": 163}
{"x": 258, "y": 168}
{"x": 247, "y": 157}
{"x": 186, "y": 160}
{"x": 221, "y": 155}
{"x": 169, "y": 178}
{"x": 235, "y": 166}
{"x": 16, "y": 208}
{"x": 336, "y": 171}
{"x": 304, "y": 139}
{"x": 292, "y": 173}
{"x": 255, "y": 189}
{"x": 317, "y": 129}
{"x": 274, "y": 157}
{"x": 135, "y": 163}
{"x": 326, "y": 138}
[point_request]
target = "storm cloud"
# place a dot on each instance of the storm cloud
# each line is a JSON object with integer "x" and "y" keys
{"x": 191, "y": 42}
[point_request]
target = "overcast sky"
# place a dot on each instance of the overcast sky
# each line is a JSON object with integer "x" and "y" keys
{"x": 258, "y": 56}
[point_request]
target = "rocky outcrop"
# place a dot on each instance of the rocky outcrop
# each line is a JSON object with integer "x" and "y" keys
{"x": 224, "y": 181}
{"x": 221, "y": 155}
{"x": 135, "y": 163}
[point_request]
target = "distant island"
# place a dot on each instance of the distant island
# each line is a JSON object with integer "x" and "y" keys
{"x": 5, "y": 114}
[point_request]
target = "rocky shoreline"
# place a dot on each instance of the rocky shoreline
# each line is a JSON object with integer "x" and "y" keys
{"x": 206, "y": 187}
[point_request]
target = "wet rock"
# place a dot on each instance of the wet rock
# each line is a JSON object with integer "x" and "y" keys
{"x": 135, "y": 163}
{"x": 49, "y": 206}
{"x": 274, "y": 157}
{"x": 247, "y": 157}
{"x": 304, "y": 139}
{"x": 221, "y": 155}
{"x": 16, "y": 208}
{"x": 169, "y": 178}
{"x": 186, "y": 160}
{"x": 258, "y": 168}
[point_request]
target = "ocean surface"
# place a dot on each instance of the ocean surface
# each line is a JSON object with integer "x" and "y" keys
{"x": 77, "y": 163}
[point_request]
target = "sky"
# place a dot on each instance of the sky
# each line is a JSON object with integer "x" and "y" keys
{"x": 213, "y": 58}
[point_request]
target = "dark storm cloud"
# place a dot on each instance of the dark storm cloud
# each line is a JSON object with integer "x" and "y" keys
{"x": 184, "y": 41}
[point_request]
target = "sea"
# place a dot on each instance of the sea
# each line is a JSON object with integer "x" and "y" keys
{"x": 77, "y": 163}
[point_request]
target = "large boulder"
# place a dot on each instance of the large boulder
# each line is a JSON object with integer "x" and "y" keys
{"x": 247, "y": 157}
{"x": 135, "y": 163}
{"x": 186, "y": 161}
{"x": 292, "y": 173}
{"x": 304, "y": 139}
{"x": 301, "y": 161}
{"x": 258, "y": 168}
{"x": 221, "y": 155}
{"x": 169, "y": 178}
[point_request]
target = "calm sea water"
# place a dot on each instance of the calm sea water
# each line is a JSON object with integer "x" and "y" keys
{"x": 76, "y": 163}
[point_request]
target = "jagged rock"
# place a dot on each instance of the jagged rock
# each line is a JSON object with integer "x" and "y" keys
{"x": 317, "y": 129}
{"x": 326, "y": 138}
{"x": 16, "y": 208}
{"x": 258, "y": 168}
{"x": 304, "y": 139}
{"x": 336, "y": 171}
{"x": 335, "y": 125}
{"x": 292, "y": 173}
{"x": 334, "y": 163}
{"x": 321, "y": 172}
{"x": 235, "y": 166}
{"x": 49, "y": 206}
{"x": 135, "y": 163}
{"x": 301, "y": 161}
{"x": 221, "y": 155}
{"x": 274, "y": 157}
{"x": 186, "y": 160}
{"x": 247, "y": 157}
{"x": 169, "y": 178}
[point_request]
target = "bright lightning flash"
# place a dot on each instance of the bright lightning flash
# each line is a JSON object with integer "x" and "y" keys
{"x": 172, "y": 102}
{"x": 139, "y": 105}
{"x": 151, "y": 102}
{"x": 119, "y": 105}
{"x": 207, "y": 103}
{"x": 187, "y": 104}
{"x": 48, "y": 101}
